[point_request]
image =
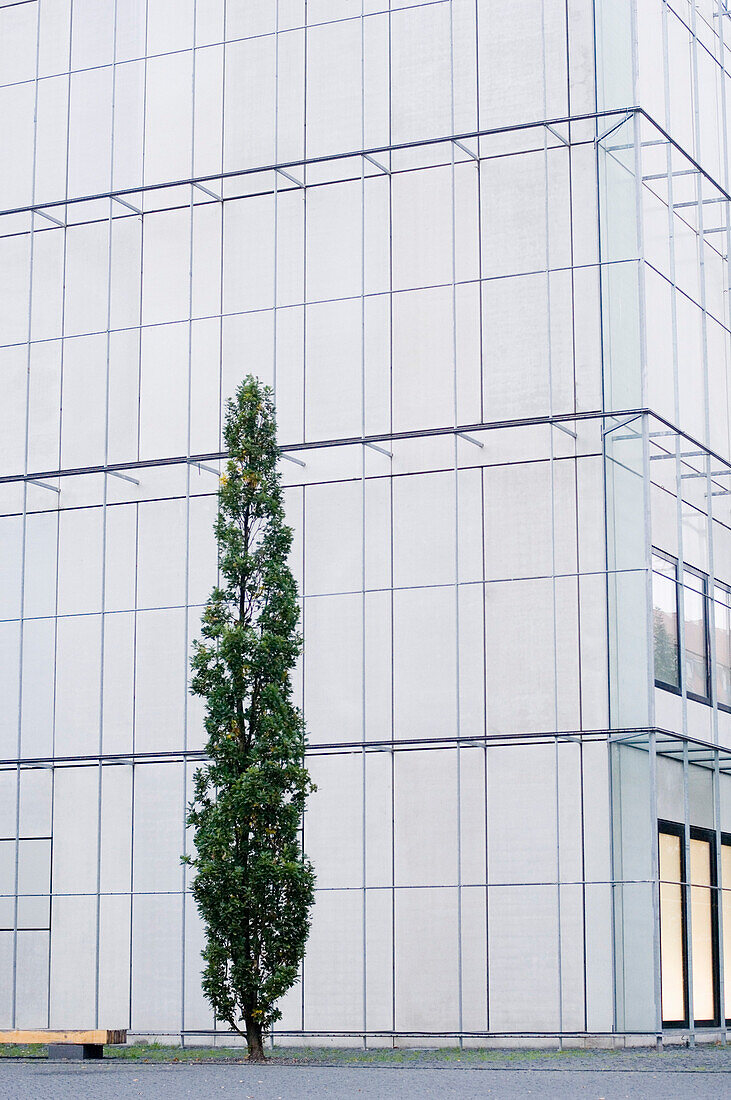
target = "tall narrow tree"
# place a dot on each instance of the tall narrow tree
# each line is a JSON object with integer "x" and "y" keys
{"x": 253, "y": 884}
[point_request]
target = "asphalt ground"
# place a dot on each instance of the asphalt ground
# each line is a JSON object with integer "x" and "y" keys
{"x": 703, "y": 1074}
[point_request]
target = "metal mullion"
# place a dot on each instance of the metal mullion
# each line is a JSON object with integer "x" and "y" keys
{"x": 103, "y": 620}
{"x": 655, "y": 887}
{"x": 391, "y": 520}
{"x": 363, "y": 635}
{"x": 24, "y": 539}
{"x": 275, "y": 198}
{"x": 716, "y": 771}
{"x": 137, "y": 536}
{"x": 58, "y": 506}
{"x": 652, "y": 742}
{"x": 186, "y": 592}
{"x": 455, "y": 456}
{"x": 710, "y": 645}
{"x": 725, "y": 148}
{"x": 304, "y": 344}
{"x": 554, "y": 597}
{"x": 479, "y": 220}
{"x": 486, "y": 833}
{"x": 718, "y": 889}
{"x": 577, "y": 519}
{"x": 676, "y": 381}
{"x": 687, "y": 899}
{"x": 221, "y": 273}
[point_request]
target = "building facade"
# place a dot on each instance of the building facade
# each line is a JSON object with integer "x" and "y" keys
{"x": 480, "y": 251}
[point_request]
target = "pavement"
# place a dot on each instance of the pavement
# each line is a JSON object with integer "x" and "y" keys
{"x": 701, "y": 1075}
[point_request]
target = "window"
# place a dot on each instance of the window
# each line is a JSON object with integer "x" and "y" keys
{"x": 675, "y": 892}
{"x": 695, "y": 615}
{"x": 672, "y": 929}
{"x": 665, "y": 620}
{"x": 694, "y": 669}
{"x": 722, "y": 631}
{"x": 702, "y": 908}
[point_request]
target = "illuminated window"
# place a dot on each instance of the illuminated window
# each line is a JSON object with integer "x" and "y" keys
{"x": 672, "y": 929}
{"x": 703, "y": 926}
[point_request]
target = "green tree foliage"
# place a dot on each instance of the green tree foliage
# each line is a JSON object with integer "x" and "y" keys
{"x": 253, "y": 884}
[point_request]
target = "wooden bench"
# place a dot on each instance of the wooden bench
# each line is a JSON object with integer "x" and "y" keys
{"x": 68, "y": 1044}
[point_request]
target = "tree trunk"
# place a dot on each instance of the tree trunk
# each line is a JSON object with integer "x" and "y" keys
{"x": 253, "y": 1038}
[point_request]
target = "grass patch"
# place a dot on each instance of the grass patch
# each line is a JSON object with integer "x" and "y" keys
{"x": 144, "y": 1052}
{"x": 341, "y": 1056}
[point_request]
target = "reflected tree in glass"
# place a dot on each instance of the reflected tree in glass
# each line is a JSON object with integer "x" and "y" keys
{"x": 665, "y": 621}
{"x": 666, "y": 650}
{"x": 253, "y": 884}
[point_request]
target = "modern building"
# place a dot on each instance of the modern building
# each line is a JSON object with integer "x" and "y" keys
{"x": 481, "y": 251}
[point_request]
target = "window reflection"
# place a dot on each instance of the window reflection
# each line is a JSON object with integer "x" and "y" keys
{"x": 695, "y": 664}
{"x": 695, "y": 668}
{"x": 722, "y": 630}
{"x": 665, "y": 621}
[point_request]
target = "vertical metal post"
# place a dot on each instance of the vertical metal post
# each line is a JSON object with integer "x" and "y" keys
{"x": 363, "y": 516}
{"x": 719, "y": 894}
{"x": 650, "y": 668}
{"x": 102, "y": 683}
{"x": 455, "y": 457}
{"x": 186, "y": 582}
{"x": 688, "y": 894}
{"x": 653, "y": 834}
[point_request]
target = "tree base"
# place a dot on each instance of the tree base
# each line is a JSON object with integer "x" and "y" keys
{"x": 254, "y": 1041}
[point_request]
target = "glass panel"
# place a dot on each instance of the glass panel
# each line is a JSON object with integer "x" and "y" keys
{"x": 722, "y": 627}
{"x": 665, "y": 620}
{"x": 726, "y": 914}
{"x": 671, "y": 930}
{"x": 695, "y": 665}
{"x": 704, "y": 1007}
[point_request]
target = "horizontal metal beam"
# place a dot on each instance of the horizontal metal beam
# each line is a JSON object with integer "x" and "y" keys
{"x": 344, "y": 441}
{"x": 207, "y": 191}
{"x": 124, "y": 477}
{"x": 375, "y": 447}
{"x": 42, "y": 485}
{"x": 202, "y": 466}
{"x": 293, "y": 165}
{"x": 470, "y": 439}
{"x": 376, "y": 163}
